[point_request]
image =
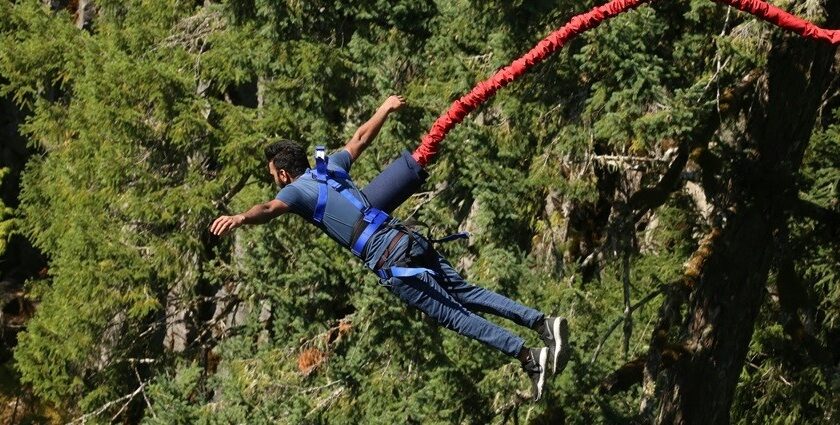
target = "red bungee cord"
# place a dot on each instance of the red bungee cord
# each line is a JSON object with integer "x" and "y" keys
{"x": 784, "y": 20}
{"x": 577, "y": 25}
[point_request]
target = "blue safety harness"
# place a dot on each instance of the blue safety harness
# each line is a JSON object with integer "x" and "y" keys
{"x": 374, "y": 217}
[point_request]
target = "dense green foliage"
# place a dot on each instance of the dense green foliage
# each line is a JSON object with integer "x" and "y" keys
{"x": 5, "y": 218}
{"x": 152, "y": 121}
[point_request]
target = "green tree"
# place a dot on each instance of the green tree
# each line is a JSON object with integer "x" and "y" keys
{"x": 5, "y": 218}
{"x": 661, "y": 170}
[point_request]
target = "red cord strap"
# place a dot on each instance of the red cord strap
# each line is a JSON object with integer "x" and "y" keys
{"x": 580, "y": 23}
{"x": 484, "y": 90}
{"x": 784, "y": 20}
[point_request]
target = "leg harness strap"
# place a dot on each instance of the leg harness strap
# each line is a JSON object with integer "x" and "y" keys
{"x": 395, "y": 271}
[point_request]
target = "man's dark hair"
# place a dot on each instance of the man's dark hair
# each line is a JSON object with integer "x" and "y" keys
{"x": 287, "y": 155}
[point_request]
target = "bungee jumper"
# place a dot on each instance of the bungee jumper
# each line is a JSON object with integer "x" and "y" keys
{"x": 405, "y": 261}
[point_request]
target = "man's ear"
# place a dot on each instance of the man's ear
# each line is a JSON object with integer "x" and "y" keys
{"x": 284, "y": 174}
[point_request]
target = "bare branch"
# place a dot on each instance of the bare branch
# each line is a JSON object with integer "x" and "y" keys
{"x": 426, "y": 197}
{"x": 223, "y": 201}
{"x": 191, "y": 32}
{"x": 618, "y": 321}
{"x": 327, "y": 401}
{"x": 511, "y": 406}
{"x": 106, "y": 406}
{"x": 145, "y": 397}
{"x": 628, "y": 312}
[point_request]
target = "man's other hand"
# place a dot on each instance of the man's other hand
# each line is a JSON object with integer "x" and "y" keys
{"x": 226, "y": 223}
{"x": 394, "y": 103}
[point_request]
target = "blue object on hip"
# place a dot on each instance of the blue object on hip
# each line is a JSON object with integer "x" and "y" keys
{"x": 396, "y": 183}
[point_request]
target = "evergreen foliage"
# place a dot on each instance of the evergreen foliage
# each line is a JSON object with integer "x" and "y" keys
{"x": 5, "y": 218}
{"x": 153, "y": 119}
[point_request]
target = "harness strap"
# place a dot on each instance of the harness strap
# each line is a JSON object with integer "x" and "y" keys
{"x": 395, "y": 271}
{"x": 412, "y": 225}
{"x": 333, "y": 178}
{"x": 452, "y": 237}
{"x": 340, "y": 188}
{"x": 320, "y": 173}
{"x": 375, "y": 218}
{"x": 392, "y": 246}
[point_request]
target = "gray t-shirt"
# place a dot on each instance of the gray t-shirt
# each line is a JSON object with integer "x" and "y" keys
{"x": 340, "y": 216}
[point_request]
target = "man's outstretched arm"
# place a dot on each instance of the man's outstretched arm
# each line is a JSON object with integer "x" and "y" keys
{"x": 368, "y": 131}
{"x": 258, "y": 214}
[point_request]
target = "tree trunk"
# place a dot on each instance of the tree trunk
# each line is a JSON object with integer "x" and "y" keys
{"x": 731, "y": 286}
{"x": 84, "y": 14}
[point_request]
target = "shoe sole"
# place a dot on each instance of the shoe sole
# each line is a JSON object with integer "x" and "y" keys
{"x": 541, "y": 381}
{"x": 560, "y": 333}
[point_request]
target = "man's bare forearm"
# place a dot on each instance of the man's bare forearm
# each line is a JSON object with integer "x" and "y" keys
{"x": 370, "y": 129}
{"x": 258, "y": 214}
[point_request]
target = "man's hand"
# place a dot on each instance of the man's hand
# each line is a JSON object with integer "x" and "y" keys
{"x": 393, "y": 103}
{"x": 368, "y": 131}
{"x": 258, "y": 214}
{"x": 226, "y": 223}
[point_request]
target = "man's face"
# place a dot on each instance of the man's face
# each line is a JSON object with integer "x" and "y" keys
{"x": 281, "y": 177}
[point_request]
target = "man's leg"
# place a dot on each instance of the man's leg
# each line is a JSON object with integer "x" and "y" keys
{"x": 553, "y": 331}
{"x": 424, "y": 293}
{"x": 484, "y": 300}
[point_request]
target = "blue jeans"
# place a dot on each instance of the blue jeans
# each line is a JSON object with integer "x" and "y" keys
{"x": 449, "y": 299}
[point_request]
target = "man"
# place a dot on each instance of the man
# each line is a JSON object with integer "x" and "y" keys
{"x": 404, "y": 260}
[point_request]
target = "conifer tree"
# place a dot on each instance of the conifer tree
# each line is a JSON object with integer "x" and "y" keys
{"x": 669, "y": 181}
{"x": 5, "y": 218}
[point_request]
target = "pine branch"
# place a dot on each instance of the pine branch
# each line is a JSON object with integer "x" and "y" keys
{"x": 693, "y": 147}
{"x": 825, "y": 217}
{"x": 632, "y": 372}
{"x": 793, "y": 298}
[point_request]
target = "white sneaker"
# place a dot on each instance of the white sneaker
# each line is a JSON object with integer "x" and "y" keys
{"x": 555, "y": 334}
{"x": 536, "y": 368}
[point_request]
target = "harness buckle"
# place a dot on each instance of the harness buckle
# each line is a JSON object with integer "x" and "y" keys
{"x": 372, "y": 215}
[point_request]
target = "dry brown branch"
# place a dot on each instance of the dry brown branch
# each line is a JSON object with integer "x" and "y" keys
{"x": 106, "y": 406}
{"x": 425, "y": 198}
{"x": 191, "y": 32}
{"x": 327, "y": 401}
